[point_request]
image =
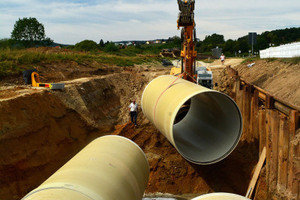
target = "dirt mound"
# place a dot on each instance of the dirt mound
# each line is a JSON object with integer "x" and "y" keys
{"x": 171, "y": 173}
{"x": 40, "y": 129}
{"x": 278, "y": 78}
{"x": 38, "y": 135}
{"x": 222, "y": 82}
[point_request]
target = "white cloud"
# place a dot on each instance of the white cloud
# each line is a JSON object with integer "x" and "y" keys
{"x": 69, "y": 21}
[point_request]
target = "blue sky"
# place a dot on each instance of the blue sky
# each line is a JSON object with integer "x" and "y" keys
{"x": 71, "y": 21}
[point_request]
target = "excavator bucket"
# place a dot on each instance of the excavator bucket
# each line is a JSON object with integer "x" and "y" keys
{"x": 186, "y": 14}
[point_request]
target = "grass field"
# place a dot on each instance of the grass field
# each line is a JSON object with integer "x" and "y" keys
{"x": 295, "y": 60}
{"x": 15, "y": 61}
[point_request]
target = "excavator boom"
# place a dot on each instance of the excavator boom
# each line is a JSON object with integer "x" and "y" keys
{"x": 188, "y": 38}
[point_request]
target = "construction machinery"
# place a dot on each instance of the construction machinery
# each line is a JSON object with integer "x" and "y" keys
{"x": 188, "y": 38}
{"x": 204, "y": 77}
{"x": 204, "y": 125}
{"x": 188, "y": 54}
{"x": 33, "y": 78}
{"x": 172, "y": 53}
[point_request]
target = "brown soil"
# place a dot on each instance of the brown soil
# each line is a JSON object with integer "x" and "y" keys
{"x": 280, "y": 79}
{"x": 222, "y": 81}
{"x": 35, "y": 132}
{"x": 41, "y": 129}
{"x": 171, "y": 173}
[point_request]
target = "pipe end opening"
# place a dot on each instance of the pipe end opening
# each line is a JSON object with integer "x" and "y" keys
{"x": 207, "y": 127}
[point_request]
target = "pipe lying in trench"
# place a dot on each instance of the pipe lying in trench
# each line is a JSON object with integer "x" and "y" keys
{"x": 109, "y": 168}
{"x": 202, "y": 124}
{"x": 220, "y": 196}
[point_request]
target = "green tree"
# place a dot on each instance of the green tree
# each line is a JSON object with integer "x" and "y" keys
{"x": 211, "y": 41}
{"x": 176, "y": 41}
{"x": 86, "y": 45}
{"x": 28, "y": 29}
{"x": 214, "y": 39}
{"x": 230, "y": 47}
{"x": 111, "y": 47}
{"x": 262, "y": 43}
{"x": 101, "y": 43}
{"x": 243, "y": 44}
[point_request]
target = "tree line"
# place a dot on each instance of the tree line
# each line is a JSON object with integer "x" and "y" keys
{"x": 28, "y": 32}
{"x": 265, "y": 40}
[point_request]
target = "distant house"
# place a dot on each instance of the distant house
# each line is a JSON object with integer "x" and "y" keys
{"x": 157, "y": 41}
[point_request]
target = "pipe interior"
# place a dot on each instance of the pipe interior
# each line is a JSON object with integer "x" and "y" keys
{"x": 210, "y": 130}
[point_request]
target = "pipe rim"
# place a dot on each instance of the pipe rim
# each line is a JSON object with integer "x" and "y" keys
{"x": 229, "y": 106}
{"x": 220, "y": 194}
{"x": 235, "y": 142}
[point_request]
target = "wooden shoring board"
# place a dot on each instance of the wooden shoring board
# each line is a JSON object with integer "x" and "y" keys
{"x": 246, "y": 103}
{"x": 262, "y": 129}
{"x": 254, "y": 116}
{"x": 274, "y": 150}
{"x": 255, "y": 176}
{"x": 293, "y": 182}
{"x": 283, "y": 152}
{"x": 268, "y": 147}
{"x": 239, "y": 95}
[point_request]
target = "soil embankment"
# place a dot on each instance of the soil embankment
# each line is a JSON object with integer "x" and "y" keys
{"x": 40, "y": 130}
{"x": 280, "y": 79}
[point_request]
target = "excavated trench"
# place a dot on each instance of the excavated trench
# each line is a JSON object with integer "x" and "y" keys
{"x": 40, "y": 130}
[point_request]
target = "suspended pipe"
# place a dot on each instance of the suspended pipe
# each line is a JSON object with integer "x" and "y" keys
{"x": 202, "y": 124}
{"x": 109, "y": 168}
{"x": 220, "y": 196}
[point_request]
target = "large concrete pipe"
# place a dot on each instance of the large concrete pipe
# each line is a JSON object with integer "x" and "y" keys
{"x": 109, "y": 168}
{"x": 202, "y": 124}
{"x": 220, "y": 196}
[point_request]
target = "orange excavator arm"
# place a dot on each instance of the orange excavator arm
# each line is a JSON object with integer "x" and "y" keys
{"x": 188, "y": 37}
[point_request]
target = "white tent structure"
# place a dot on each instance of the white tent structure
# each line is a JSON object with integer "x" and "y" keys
{"x": 283, "y": 51}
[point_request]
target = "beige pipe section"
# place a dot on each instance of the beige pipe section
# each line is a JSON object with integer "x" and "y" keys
{"x": 211, "y": 128}
{"x": 220, "y": 196}
{"x": 109, "y": 168}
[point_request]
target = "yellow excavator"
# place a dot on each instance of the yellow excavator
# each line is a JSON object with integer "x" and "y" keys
{"x": 188, "y": 54}
{"x": 188, "y": 38}
{"x": 33, "y": 78}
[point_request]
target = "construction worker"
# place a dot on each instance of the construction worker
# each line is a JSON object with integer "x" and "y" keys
{"x": 222, "y": 57}
{"x": 133, "y": 108}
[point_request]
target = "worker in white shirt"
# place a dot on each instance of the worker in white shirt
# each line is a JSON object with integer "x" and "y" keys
{"x": 222, "y": 57}
{"x": 133, "y": 108}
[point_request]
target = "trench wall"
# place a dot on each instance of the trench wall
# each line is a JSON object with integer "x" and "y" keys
{"x": 41, "y": 130}
{"x": 274, "y": 124}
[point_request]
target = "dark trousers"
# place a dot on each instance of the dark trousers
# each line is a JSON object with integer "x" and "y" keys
{"x": 133, "y": 115}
